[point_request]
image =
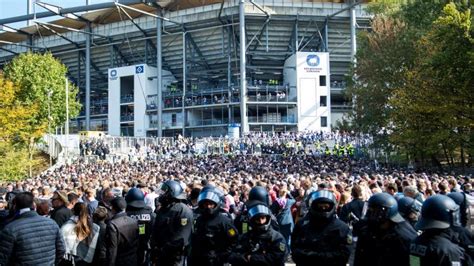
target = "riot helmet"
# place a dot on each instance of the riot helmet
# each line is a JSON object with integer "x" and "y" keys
{"x": 460, "y": 199}
{"x": 322, "y": 205}
{"x": 206, "y": 198}
{"x": 171, "y": 191}
{"x": 410, "y": 209}
{"x": 438, "y": 212}
{"x": 260, "y": 194}
{"x": 383, "y": 207}
{"x": 259, "y": 218}
{"x": 135, "y": 198}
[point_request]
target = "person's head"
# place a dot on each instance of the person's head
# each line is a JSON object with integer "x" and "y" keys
{"x": 73, "y": 198}
{"x": 259, "y": 194}
{"x": 410, "y": 191}
{"x": 438, "y": 212}
{"x": 135, "y": 198}
{"x": 42, "y": 207}
{"x": 90, "y": 193}
{"x": 322, "y": 206}
{"x": 259, "y": 218}
{"x": 118, "y": 205}
{"x": 460, "y": 199}
{"x": 171, "y": 191}
{"x": 59, "y": 199}
{"x": 383, "y": 210}
{"x": 23, "y": 200}
{"x": 391, "y": 188}
{"x": 356, "y": 192}
{"x": 108, "y": 195}
{"x": 100, "y": 214}
{"x": 409, "y": 209}
{"x": 209, "y": 201}
{"x": 83, "y": 226}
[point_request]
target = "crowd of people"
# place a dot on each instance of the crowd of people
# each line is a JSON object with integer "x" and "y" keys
{"x": 259, "y": 143}
{"x": 242, "y": 209}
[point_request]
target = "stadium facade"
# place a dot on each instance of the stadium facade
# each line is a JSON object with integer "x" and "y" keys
{"x": 221, "y": 66}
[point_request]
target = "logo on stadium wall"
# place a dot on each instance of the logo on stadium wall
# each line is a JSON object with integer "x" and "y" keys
{"x": 113, "y": 74}
{"x": 312, "y": 60}
{"x": 139, "y": 69}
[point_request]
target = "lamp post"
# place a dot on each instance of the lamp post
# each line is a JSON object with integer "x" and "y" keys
{"x": 50, "y": 92}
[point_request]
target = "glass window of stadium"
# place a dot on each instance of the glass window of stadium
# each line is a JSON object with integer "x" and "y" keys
{"x": 324, "y": 121}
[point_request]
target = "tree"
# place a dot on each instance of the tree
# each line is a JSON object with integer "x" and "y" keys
{"x": 413, "y": 80}
{"x": 40, "y": 74}
{"x": 15, "y": 132}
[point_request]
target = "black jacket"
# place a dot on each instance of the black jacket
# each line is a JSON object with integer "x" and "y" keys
{"x": 268, "y": 248}
{"x": 121, "y": 240}
{"x": 321, "y": 244}
{"x": 61, "y": 215}
{"x": 145, "y": 218}
{"x": 100, "y": 250}
{"x": 434, "y": 247}
{"x": 212, "y": 240}
{"x": 171, "y": 233}
{"x": 355, "y": 207}
{"x": 31, "y": 240}
{"x": 464, "y": 239}
{"x": 384, "y": 248}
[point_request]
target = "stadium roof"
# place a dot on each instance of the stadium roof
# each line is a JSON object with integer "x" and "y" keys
{"x": 126, "y": 35}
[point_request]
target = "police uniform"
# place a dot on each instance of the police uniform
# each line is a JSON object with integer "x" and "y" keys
{"x": 384, "y": 248}
{"x": 145, "y": 218}
{"x": 261, "y": 245}
{"x": 384, "y": 237}
{"x": 320, "y": 238}
{"x": 267, "y": 248}
{"x": 173, "y": 225}
{"x": 434, "y": 247}
{"x": 212, "y": 240}
{"x": 327, "y": 244}
{"x": 171, "y": 233}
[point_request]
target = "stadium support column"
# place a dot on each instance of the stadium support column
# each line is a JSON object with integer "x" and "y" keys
{"x": 88, "y": 76}
{"x": 353, "y": 32}
{"x": 183, "y": 111}
{"x": 243, "y": 77}
{"x": 159, "y": 67}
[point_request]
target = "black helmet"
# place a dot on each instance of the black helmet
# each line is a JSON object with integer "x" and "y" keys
{"x": 382, "y": 207}
{"x": 460, "y": 199}
{"x": 438, "y": 211}
{"x": 257, "y": 211}
{"x": 211, "y": 195}
{"x": 135, "y": 198}
{"x": 322, "y": 196}
{"x": 260, "y": 194}
{"x": 406, "y": 206}
{"x": 173, "y": 189}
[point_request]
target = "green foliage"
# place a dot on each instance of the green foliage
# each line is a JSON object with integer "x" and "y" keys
{"x": 413, "y": 85}
{"x": 15, "y": 162}
{"x": 36, "y": 75}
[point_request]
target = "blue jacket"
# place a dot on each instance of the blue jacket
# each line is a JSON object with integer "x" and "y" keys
{"x": 31, "y": 240}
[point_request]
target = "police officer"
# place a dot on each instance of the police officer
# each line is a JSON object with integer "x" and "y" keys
{"x": 409, "y": 209}
{"x": 435, "y": 246}
{"x": 145, "y": 217}
{"x": 257, "y": 195}
{"x": 384, "y": 236}
{"x": 465, "y": 238}
{"x": 214, "y": 233}
{"x": 261, "y": 245}
{"x": 173, "y": 226}
{"x": 320, "y": 238}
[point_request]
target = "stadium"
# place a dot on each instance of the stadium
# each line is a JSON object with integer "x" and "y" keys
{"x": 226, "y": 66}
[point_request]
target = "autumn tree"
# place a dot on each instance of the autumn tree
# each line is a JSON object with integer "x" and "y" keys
{"x": 15, "y": 130}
